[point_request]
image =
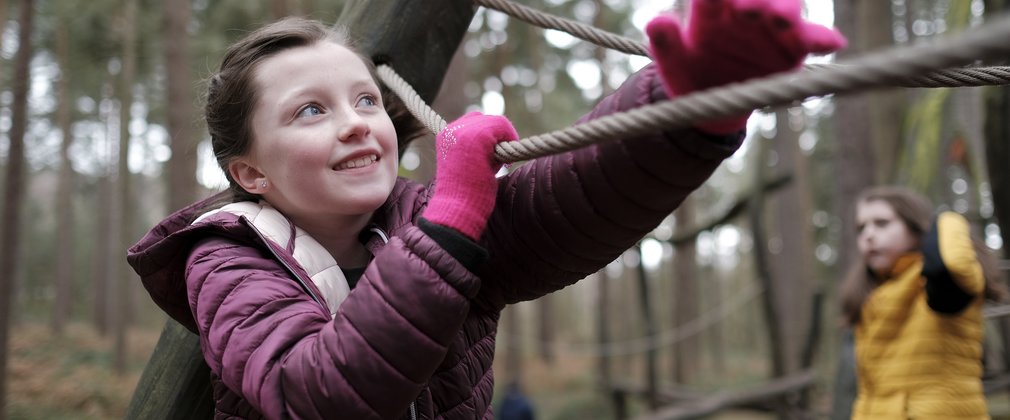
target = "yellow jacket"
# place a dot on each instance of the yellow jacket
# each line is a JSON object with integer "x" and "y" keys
{"x": 919, "y": 339}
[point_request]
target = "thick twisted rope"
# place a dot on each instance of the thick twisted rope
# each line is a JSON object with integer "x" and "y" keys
{"x": 955, "y": 77}
{"x": 982, "y": 76}
{"x": 873, "y": 70}
{"x": 577, "y": 29}
{"x": 415, "y": 104}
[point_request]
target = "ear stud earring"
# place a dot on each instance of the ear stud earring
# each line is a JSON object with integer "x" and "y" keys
{"x": 263, "y": 184}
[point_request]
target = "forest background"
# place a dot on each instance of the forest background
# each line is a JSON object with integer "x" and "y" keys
{"x": 101, "y": 136}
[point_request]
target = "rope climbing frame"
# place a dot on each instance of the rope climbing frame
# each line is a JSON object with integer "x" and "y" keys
{"x": 924, "y": 65}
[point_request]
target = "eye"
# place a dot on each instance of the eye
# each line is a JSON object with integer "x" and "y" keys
{"x": 309, "y": 110}
{"x": 368, "y": 101}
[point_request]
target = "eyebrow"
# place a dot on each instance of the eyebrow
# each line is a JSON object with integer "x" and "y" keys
{"x": 365, "y": 83}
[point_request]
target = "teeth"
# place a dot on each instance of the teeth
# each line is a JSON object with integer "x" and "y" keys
{"x": 357, "y": 163}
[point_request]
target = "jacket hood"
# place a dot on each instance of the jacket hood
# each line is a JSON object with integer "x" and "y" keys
{"x": 159, "y": 258}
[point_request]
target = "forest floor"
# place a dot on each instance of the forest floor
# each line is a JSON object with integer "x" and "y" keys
{"x": 71, "y": 378}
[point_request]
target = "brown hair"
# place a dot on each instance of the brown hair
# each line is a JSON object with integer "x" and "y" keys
{"x": 232, "y": 94}
{"x": 916, "y": 211}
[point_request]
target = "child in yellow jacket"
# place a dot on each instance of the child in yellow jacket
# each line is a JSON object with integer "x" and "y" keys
{"x": 915, "y": 305}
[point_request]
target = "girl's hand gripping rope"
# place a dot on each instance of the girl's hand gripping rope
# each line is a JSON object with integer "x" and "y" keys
{"x": 728, "y": 41}
{"x": 465, "y": 185}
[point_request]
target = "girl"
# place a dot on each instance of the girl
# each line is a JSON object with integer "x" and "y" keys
{"x": 330, "y": 288}
{"x": 916, "y": 307}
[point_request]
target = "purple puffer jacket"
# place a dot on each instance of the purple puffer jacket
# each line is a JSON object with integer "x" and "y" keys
{"x": 416, "y": 336}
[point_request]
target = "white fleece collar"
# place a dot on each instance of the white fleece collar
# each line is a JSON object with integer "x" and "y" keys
{"x": 311, "y": 255}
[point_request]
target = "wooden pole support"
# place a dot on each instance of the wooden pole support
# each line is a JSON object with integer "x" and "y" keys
{"x": 417, "y": 38}
{"x": 176, "y": 381}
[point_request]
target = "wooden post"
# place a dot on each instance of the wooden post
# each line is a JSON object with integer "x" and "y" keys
{"x": 415, "y": 37}
{"x": 176, "y": 381}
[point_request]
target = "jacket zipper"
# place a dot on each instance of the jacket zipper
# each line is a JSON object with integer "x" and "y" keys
{"x": 385, "y": 240}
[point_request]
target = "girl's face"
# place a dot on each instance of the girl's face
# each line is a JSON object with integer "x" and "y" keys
{"x": 883, "y": 236}
{"x": 321, "y": 138}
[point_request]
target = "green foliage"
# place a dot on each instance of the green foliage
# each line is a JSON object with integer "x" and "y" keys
{"x": 921, "y": 156}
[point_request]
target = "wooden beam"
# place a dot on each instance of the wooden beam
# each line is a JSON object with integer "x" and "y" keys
{"x": 176, "y": 381}
{"x": 417, "y": 38}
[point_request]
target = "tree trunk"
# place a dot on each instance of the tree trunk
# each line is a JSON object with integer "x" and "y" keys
{"x": 182, "y": 186}
{"x": 104, "y": 242}
{"x": 512, "y": 326}
{"x": 792, "y": 272}
{"x": 762, "y": 264}
{"x": 651, "y": 358}
{"x": 763, "y": 247}
{"x": 545, "y": 335}
{"x": 14, "y": 189}
{"x": 65, "y": 190}
{"x": 791, "y": 257}
{"x": 3, "y": 18}
{"x": 716, "y": 338}
{"x": 125, "y": 222}
{"x": 603, "y": 328}
{"x": 855, "y": 160}
{"x": 854, "y": 155}
{"x": 279, "y": 9}
{"x": 686, "y": 296}
{"x": 106, "y": 232}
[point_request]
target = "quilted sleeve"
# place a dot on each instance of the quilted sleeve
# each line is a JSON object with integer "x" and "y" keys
{"x": 271, "y": 343}
{"x": 563, "y": 217}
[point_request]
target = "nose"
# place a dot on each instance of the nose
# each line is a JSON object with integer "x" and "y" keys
{"x": 865, "y": 236}
{"x": 353, "y": 127}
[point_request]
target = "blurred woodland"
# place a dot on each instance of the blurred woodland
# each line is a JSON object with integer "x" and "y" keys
{"x": 101, "y": 135}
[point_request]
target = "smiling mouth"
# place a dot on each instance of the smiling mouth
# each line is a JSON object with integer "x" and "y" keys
{"x": 357, "y": 163}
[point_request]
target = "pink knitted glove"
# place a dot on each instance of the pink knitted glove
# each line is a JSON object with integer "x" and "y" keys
{"x": 465, "y": 185}
{"x": 734, "y": 40}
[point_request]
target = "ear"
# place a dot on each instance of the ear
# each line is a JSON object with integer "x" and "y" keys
{"x": 247, "y": 176}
